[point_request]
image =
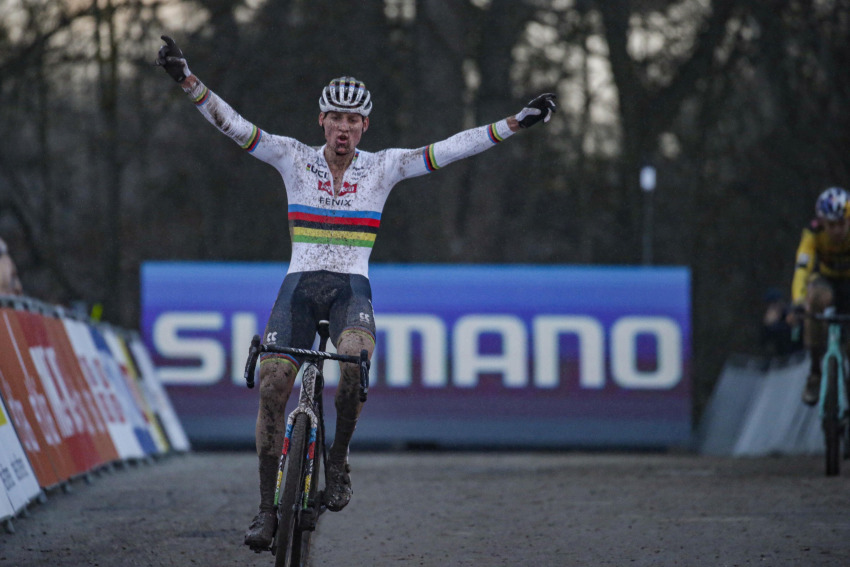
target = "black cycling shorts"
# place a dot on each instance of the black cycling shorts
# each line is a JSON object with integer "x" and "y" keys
{"x": 840, "y": 290}
{"x": 305, "y": 298}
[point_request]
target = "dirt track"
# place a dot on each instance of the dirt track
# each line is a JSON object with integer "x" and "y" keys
{"x": 446, "y": 509}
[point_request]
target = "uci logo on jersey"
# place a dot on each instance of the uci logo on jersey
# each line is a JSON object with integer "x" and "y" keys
{"x": 320, "y": 173}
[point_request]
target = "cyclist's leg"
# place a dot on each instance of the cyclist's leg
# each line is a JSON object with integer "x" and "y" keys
{"x": 819, "y": 295}
{"x": 347, "y": 402}
{"x": 353, "y": 330}
{"x": 289, "y": 324}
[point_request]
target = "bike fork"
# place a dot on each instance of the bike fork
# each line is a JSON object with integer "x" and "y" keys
{"x": 282, "y": 463}
{"x": 840, "y": 383}
{"x": 308, "y": 513}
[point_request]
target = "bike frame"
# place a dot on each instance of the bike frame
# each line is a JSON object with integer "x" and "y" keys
{"x": 306, "y": 405}
{"x": 834, "y": 350}
{"x": 832, "y": 401}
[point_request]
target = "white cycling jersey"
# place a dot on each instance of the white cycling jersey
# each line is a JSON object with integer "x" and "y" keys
{"x": 336, "y": 232}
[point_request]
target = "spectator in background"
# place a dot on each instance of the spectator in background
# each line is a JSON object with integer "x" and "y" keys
{"x": 780, "y": 335}
{"x": 9, "y": 282}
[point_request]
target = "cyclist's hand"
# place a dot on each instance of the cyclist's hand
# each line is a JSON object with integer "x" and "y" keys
{"x": 539, "y": 108}
{"x": 796, "y": 314}
{"x": 171, "y": 59}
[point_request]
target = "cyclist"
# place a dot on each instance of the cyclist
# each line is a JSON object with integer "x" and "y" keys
{"x": 335, "y": 195}
{"x": 822, "y": 276}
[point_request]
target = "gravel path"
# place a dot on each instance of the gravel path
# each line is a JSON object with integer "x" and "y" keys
{"x": 464, "y": 509}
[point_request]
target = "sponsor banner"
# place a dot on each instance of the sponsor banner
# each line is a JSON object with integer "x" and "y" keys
{"x": 16, "y": 474}
{"x": 106, "y": 397}
{"x": 71, "y": 399}
{"x": 483, "y": 355}
{"x": 131, "y": 376}
{"x": 117, "y": 374}
{"x": 6, "y": 508}
{"x": 59, "y": 390}
{"x": 86, "y": 414}
{"x": 156, "y": 394}
{"x": 29, "y": 407}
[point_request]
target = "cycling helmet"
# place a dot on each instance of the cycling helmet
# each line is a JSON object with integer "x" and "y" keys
{"x": 346, "y": 94}
{"x": 832, "y": 204}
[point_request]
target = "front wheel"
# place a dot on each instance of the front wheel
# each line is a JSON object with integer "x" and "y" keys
{"x": 831, "y": 421}
{"x": 291, "y": 544}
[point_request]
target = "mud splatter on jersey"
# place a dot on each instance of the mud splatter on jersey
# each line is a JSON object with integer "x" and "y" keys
{"x": 337, "y": 232}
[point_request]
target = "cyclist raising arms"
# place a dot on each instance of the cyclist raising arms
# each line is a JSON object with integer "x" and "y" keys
{"x": 335, "y": 195}
{"x": 822, "y": 276}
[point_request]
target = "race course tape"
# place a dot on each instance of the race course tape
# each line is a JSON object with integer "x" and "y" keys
{"x": 75, "y": 396}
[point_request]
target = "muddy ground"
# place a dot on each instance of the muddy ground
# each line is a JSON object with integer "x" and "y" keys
{"x": 470, "y": 509}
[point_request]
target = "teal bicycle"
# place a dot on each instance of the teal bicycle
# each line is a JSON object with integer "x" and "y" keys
{"x": 833, "y": 406}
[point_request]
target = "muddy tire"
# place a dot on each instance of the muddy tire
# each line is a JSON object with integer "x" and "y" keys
{"x": 831, "y": 421}
{"x": 289, "y": 540}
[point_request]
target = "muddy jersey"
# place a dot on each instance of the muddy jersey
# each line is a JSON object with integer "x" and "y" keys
{"x": 817, "y": 253}
{"x": 336, "y": 232}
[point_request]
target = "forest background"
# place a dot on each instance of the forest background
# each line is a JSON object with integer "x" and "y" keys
{"x": 742, "y": 108}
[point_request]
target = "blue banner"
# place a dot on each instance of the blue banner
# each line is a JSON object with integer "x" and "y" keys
{"x": 466, "y": 355}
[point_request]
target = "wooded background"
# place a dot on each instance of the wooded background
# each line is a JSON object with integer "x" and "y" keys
{"x": 742, "y": 107}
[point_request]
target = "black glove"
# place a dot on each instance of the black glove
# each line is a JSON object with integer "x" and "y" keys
{"x": 171, "y": 59}
{"x": 539, "y": 108}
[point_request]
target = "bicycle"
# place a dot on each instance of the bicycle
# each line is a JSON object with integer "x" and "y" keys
{"x": 833, "y": 406}
{"x": 299, "y": 502}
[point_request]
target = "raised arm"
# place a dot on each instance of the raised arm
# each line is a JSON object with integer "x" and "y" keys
{"x": 212, "y": 107}
{"x": 476, "y": 140}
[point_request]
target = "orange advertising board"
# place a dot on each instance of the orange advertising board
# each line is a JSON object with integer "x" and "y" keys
{"x": 72, "y": 423}
{"x": 88, "y": 413}
{"x": 28, "y": 406}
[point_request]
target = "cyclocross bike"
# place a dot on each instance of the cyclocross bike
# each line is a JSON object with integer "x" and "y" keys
{"x": 299, "y": 502}
{"x": 833, "y": 402}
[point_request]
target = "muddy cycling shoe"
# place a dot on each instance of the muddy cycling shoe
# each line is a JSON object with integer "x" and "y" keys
{"x": 812, "y": 391}
{"x": 337, "y": 486}
{"x": 261, "y": 531}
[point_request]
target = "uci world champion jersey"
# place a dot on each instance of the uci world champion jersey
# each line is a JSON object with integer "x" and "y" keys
{"x": 336, "y": 232}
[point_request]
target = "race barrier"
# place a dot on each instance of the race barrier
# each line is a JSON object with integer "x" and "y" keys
{"x": 75, "y": 396}
{"x": 756, "y": 410}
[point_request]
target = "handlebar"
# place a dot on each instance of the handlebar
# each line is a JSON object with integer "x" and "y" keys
{"x": 830, "y": 315}
{"x": 315, "y": 355}
{"x": 364, "y": 374}
{"x": 251, "y": 364}
{"x": 831, "y": 318}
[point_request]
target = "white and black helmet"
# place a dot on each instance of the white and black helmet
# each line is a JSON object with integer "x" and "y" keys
{"x": 346, "y": 94}
{"x": 833, "y": 204}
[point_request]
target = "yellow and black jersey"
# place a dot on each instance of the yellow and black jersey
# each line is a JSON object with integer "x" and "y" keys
{"x": 817, "y": 253}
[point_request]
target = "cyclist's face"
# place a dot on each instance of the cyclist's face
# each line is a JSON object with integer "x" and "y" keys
{"x": 343, "y": 130}
{"x": 837, "y": 230}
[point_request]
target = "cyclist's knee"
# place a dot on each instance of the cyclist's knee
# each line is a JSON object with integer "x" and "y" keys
{"x": 819, "y": 295}
{"x": 352, "y": 341}
{"x": 277, "y": 375}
